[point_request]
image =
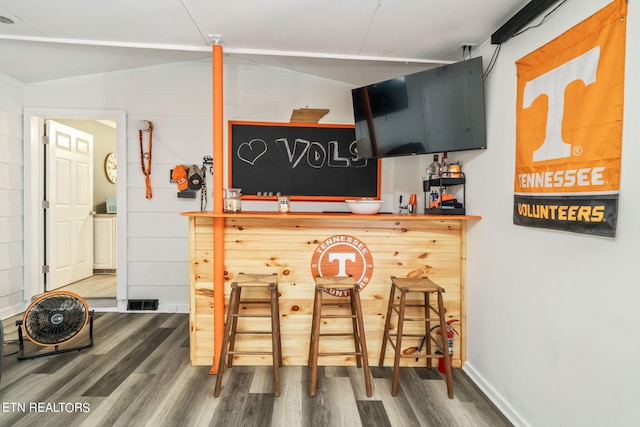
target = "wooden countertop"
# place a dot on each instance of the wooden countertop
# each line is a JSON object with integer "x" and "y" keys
{"x": 329, "y": 216}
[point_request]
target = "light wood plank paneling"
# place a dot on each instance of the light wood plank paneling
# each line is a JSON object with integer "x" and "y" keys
{"x": 286, "y": 245}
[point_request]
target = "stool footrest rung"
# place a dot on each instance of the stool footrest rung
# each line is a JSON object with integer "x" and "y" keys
{"x": 423, "y": 319}
{"x": 345, "y": 334}
{"x": 396, "y": 307}
{"x": 407, "y": 335}
{"x": 421, "y": 356}
{"x": 410, "y": 305}
{"x": 254, "y": 333}
{"x": 431, "y": 306}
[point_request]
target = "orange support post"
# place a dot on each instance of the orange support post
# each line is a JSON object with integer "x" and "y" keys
{"x": 218, "y": 223}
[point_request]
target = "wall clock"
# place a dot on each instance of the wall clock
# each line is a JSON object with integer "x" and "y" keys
{"x": 111, "y": 167}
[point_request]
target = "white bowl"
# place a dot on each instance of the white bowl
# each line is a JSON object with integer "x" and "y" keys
{"x": 364, "y": 207}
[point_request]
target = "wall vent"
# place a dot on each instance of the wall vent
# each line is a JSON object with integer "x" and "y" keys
{"x": 142, "y": 304}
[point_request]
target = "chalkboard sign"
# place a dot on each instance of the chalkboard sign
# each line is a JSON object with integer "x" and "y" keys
{"x": 305, "y": 162}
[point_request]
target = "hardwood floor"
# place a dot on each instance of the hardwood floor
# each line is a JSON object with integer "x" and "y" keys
{"x": 138, "y": 374}
{"x": 98, "y": 290}
{"x": 96, "y": 286}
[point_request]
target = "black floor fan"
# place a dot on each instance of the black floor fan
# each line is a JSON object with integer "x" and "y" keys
{"x": 53, "y": 319}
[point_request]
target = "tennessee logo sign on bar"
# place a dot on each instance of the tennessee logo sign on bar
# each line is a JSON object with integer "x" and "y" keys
{"x": 343, "y": 255}
{"x": 569, "y": 109}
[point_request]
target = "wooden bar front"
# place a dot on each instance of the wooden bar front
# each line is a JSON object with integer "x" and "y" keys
{"x": 264, "y": 242}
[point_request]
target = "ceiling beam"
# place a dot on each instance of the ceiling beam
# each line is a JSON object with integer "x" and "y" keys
{"x": 527, "y": 14}
{"x": 229, "y": 50}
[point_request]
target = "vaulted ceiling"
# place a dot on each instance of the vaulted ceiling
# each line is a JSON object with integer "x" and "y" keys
{"x": 354, "y": 41}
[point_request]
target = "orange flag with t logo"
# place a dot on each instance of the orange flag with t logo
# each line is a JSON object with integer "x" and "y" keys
{"x": 569, "y": 127}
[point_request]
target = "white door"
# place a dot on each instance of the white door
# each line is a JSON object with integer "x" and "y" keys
{"x": 69, "y": 218}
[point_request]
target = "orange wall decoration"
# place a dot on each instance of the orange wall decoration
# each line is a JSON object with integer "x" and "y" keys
{"x": 569, "y": 112}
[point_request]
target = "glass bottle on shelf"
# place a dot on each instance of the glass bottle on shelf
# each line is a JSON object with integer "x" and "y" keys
{"x": 434, "y": 168}
{"x": 444, "y": 167}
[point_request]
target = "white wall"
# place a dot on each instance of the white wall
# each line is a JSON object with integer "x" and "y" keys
{"x": 177, "y": 99}
{"x": 11, "y": 218}
{"x": 553, "y": 316}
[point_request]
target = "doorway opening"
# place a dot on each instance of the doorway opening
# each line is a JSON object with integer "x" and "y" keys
{"x": 97, "y": 209}
{"x": 104, "y": 286}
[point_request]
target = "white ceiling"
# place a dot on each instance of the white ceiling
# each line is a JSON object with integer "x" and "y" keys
{"x": 354, "y": 41}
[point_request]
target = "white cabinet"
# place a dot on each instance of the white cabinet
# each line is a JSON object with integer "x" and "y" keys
{"x": 104, "y": 242}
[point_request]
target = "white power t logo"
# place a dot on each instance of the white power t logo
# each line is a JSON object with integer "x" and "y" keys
{"x": 553, "y": 84}
{"x": 342, "y": 259}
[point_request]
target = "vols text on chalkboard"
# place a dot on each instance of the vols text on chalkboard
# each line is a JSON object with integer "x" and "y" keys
{"x": 301, "y": 161}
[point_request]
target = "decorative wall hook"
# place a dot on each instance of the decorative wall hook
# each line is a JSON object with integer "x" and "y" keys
{"x": 144, "y": 125}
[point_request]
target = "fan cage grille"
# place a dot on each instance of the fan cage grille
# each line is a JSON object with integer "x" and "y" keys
{"x": 55, "y": 318}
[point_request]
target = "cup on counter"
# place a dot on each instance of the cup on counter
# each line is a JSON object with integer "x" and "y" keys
{"x": 413, "y": 201}
{"x": 284, "y": 204}
{"x": 232, "y": 200}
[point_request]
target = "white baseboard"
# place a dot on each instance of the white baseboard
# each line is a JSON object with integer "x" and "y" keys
{"x": 494, "y": 396}
{"x": 7, "y": 312}
{"x": 13, "y": 310}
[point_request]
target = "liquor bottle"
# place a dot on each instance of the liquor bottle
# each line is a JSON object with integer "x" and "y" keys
{"x": 434, "y": 168}
{"x": 444, "y": 167}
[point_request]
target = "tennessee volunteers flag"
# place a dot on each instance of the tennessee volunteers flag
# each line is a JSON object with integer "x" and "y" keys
{"x": 570, "y": 98}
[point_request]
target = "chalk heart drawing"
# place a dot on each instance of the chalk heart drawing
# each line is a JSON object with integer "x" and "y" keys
{"x": 251, "y": 151}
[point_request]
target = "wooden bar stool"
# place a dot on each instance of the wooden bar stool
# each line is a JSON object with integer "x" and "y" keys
{"x": 341, "y": 284}
{"x": 431, "y": 314}
{"x": 243, "y": 280}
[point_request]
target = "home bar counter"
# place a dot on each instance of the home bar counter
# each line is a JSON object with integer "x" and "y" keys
{"x": 293, "y": 244}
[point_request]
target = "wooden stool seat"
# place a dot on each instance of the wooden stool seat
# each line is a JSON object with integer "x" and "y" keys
{"x": 344, "y": 285}
{"x": 418, "y": 284}
{"x": 243, "y": 280}
{"x": 435, "y": 314}
{"x": 255, "y": 280}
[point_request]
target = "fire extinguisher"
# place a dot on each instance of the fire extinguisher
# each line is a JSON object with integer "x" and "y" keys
{"x": 450, "y": 330}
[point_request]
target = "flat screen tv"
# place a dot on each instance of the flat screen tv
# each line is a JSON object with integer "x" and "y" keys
{"x": 432, "y": 111}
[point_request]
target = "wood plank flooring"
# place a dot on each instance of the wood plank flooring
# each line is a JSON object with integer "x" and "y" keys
{"x": 98, "y": 290}
{"x": 138, "y": 374}
{"x": 96, "y": 286}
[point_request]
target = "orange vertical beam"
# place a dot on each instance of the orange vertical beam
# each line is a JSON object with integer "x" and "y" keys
{"x": 218, "y": 223}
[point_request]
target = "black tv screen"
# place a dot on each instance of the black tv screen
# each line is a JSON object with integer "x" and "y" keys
{"x": 432, "y": 111}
